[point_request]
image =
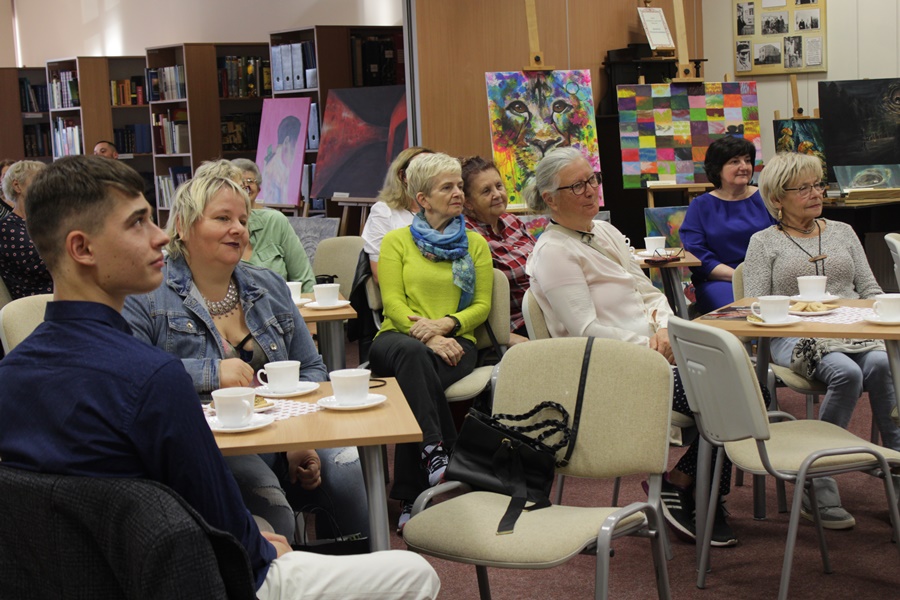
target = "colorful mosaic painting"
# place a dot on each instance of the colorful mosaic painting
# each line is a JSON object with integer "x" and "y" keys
{"x": 533, "y": 112}
{"x": 665, "y": 129}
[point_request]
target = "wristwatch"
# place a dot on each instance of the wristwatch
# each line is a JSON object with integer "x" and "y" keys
{"x": 456, "y": 325}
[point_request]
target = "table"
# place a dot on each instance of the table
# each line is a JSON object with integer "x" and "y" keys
{"x": 391, "y": 422}
{"x": 671, "y": 277}
{"x": 330, "y": 331}
{"x": 858, "y": 330}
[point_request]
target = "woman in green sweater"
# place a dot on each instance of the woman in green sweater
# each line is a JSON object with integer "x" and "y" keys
{"x": 436, "y": 279}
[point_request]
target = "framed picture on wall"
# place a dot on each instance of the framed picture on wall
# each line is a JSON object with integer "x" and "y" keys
{"x": 773, "y": 37}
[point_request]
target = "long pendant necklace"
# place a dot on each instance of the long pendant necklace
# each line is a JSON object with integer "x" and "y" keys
{"x": 813, "y": 259}
{"x": 226, "y": 304}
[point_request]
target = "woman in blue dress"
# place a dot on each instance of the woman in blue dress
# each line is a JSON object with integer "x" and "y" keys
{"x": 718, "y": 225}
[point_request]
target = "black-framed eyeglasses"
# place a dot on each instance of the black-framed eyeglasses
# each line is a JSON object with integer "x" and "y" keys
{"x": 579, "y": 187}
{"x": 806, "y": 189}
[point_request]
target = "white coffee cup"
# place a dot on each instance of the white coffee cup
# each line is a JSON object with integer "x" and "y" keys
{"x": 282, "y": 376}
{"x": 771, "y": 309}
{"x": 887, "y": 307}
{"x": 350, "y": 386}
{"x": 654, "y": 243}
{"x": 296, "y": 288}
{"x": 812, "y": 287}
{"x": 234, "y": 406}
{"x": 327, "y": 293}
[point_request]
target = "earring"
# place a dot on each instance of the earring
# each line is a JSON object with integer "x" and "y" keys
{"x": 779, "y": 214}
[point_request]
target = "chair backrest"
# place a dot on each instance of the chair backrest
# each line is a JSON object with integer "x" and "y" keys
{"x": 111, "y": 538}
{"x": 338, "y": 256}
{"x": 498, "y": 317}
{"x": 535, "y": 322}
{"x": 5, "y": 297}
{"x": 893, "y": 243}
{"x": 628, "y": 393}
{"x": 20, "y": 317}
{"x": 720, "y": 382}
{"x": 373, "y": 297}
{"x": 312, "y": 230}
{"x": 737, "y": 282}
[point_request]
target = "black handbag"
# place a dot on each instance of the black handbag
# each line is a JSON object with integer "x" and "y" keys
{"x": 493, "y": 456}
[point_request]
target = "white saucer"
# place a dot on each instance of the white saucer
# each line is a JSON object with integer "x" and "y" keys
{"x": 333, "y": 404}
{"x": 302, "y": 301}
{"x": 256, "y": 422}
{"x": 876, "y": 320}
{"x": 826, "y": 298}
{"x": 317, "y": 306}
{"x": 800, "y": 313}
{"x": 304, "y": 387}
{"x": 789, "y": 321}
{"x": 648, "y": 254}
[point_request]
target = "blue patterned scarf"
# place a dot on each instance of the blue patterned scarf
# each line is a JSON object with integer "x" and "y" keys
{"x": 451, "y": 244}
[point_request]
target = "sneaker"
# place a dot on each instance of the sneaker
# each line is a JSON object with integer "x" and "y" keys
{"x": 435, "y": 460}
{"x": 722, "y": 534}
{"x": 678, "y": 509}
{"x": 405, "y": 514}
{"x": 831, "y": 512}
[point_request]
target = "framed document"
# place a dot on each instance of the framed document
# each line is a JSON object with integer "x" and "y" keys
{"x": 656, "y": 28}
{"x": 773, "y": 37}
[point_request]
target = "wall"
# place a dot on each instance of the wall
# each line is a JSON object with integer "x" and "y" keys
{"x": 51, "y": 29}
{"x": 862, "y": 43}
{"x": 7, "y": 39}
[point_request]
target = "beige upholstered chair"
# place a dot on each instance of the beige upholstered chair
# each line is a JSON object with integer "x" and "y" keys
{"x": 624, "y": 431}
{"x": 20, "y": 317}
{"x": 793, "y": 451}
{"x": 338, "y": 256}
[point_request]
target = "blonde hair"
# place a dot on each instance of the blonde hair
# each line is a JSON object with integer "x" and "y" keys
{"x": 394, "y": 193}
{"x": 192, "y": 196}
{"x": 780, "y": 171}
{"x": 422, "y": 172}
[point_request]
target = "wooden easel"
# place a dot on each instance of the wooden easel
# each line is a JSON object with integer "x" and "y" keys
{"x": 797, "y": 111}
{"x": 536, "y": 57}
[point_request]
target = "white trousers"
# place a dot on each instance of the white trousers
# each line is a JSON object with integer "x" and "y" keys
{"x": 389, "y": 575}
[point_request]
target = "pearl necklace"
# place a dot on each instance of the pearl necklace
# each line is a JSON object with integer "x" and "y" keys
{"x": 226, "y": 305}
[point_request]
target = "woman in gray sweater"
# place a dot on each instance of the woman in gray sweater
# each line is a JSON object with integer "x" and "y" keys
{"x": 802, "y": 243}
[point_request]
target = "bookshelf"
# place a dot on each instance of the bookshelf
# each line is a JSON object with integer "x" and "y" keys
{"x": 338, "y": 57}
{"x": 194, "y": 97}
{"x": 28, "y": 125}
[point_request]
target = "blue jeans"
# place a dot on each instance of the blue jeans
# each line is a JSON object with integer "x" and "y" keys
{"x": 847, "y": 377}
{"x": 268, "y": 493}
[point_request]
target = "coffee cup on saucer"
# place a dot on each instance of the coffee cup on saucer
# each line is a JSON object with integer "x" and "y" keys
{"x": 812, "y": 287}
{"x": 887, "y": 307}
{"x": 234, "y": 406}
{"x": 654, "y": 243}
{"x": 296, "y": 288}
{"x": 771, "y": 309}
{"x": 281, "y": 376}
{"x": 327, "y": 293}
{"x": 350, "y": 386}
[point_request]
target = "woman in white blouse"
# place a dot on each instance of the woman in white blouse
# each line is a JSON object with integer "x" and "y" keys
{"x": 587, "y": 284}
{"x": 394, "y": 209}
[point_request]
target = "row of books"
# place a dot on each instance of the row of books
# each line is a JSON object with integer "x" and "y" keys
{"x": 37, "y": 140}
{"x": 244, "y": 77}
{"x": 134, "y": 139}
{"x": 241, "y": 131}
{"x": 66, "y": 137}
{"x": 64, "y": 89}
{"x": 377, "y": 60}
{"x": 170, "y": 132}
{"x": 127, "y": 92}
{"x": 294, "y": 67}
{"x": 167, "y": 184}
{"x": 165, "y": 83}
{"x": 33, "y": 98}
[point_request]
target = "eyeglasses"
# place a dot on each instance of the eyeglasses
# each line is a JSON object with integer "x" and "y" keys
{"x": 250, "y": 181}
{"x": 579, "y": 187}
{"x": 806, "y": 189}
{"x": 661, "y": 257}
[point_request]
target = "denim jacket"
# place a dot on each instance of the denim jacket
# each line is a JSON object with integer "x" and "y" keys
{"x": 174, "y": 319}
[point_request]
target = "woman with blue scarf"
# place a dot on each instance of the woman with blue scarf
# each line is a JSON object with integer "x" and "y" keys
{"x": 436, "y": 281}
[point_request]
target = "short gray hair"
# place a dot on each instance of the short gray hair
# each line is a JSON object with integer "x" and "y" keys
{"x": 780, "y": 171}
{"x": 247, "y": 165}
{"x": 192, "y": 196}
{"x": 19, "y": 171}
{"x": 546, "y": 176}
{"x": 421, "y": 173}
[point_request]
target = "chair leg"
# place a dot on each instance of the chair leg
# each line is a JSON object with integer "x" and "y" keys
{"x": 615, "y": 497}
{"x": 759, "y": 497}
{"x": 708, "y": 519}
{"x": 874, "y": 435}
{"x": 662, "y": 552}
{"x": 739, "y": 478}
{"x": 793, "y": 525}
{"x": 484, "y": 586}
{"x": 810, "y": 406}
{"x": 781, "y": 495}
{"x": 820, "y": 531}
{"x": 557, "y": 496}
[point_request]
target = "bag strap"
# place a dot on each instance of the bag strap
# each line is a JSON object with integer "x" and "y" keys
{"x": 582, "y": 383}
{"x": 547, "y": 427}
{"x": 490, "y": 331}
